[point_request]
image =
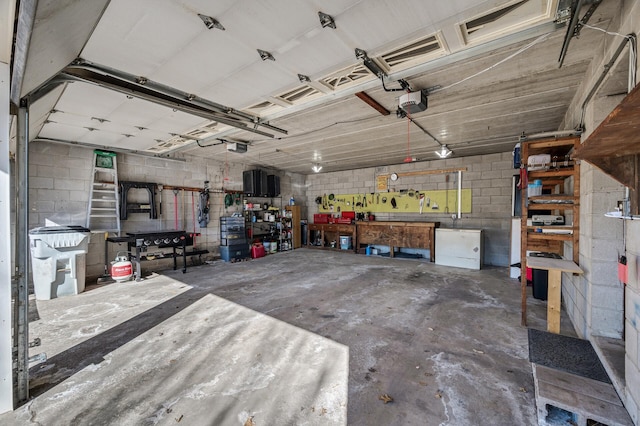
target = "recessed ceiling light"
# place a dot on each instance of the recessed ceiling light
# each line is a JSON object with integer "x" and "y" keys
{"x": 316, "y": 168}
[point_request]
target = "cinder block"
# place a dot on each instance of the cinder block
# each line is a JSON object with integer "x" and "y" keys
{"x": 41, "y": 183}
{"x": 492, "y": 174}
{"x": 503, "y": 200}
{"x": 502, "y": 165}
{"x": 480, "y": 166}
{"x": 603, "y": 249}
{"x": 490, "y": 158}
{"x": 481, "y": 184}
{"x": 586, "y": 400}
{"x": 631, "y": 342}
{"x": 633, "y": 236}
{"x": 501, "y": 182}
{"x": 633, "y": 276}
{"x": 632, "y": 378}
{"x": 632, "y": 407}
{"x": 607, "y": 297}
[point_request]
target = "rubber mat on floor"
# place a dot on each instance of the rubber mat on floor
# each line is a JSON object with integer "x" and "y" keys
{"x": 570, "y": 354}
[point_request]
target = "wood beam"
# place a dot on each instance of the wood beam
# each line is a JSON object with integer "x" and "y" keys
{"x": 372, "y": 103}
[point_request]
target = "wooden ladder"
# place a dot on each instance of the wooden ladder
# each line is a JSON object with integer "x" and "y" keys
{"x": 103, "y": 210}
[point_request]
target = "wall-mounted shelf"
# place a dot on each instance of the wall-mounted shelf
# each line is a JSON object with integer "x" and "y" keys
{"x": 613, "y": 146}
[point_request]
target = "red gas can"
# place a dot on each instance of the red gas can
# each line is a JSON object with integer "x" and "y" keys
{"x": 257, "y": 250}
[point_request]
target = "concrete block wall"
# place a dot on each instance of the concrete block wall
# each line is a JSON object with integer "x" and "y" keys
{"x": 632, "y": 322}
{"x": 60, "y": 178}
{"x": 594, "y": 299}
{"x": 488, "y": 176}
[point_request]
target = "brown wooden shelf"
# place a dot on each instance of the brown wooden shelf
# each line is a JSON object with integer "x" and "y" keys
{"x": 531, "y": 240}
{"x": 613, "y": 146}
{"x": 551, "y": 206}
{"x": 553, "y": 173}
{"x": 551, "y": 237}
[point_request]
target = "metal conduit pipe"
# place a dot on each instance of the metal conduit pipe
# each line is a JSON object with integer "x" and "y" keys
{"x": 161, "y": 89}
{"x": 629, "y": 38}
{"x": 557, "y": 134}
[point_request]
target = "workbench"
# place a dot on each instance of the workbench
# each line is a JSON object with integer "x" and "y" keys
{"x": 398, "y": 234}
{"x": 330, "y": 232}
{"x": 554, "y": 290}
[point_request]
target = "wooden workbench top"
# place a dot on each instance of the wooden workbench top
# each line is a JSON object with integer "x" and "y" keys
{"x": 555, "y": 264}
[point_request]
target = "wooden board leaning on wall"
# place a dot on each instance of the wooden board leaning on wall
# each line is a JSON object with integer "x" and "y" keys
{"x": 406, "y": 201}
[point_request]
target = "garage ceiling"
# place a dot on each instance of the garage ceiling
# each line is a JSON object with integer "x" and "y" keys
{"x": 271, "y": 75}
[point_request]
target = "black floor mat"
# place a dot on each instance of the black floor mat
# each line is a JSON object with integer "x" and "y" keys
{"x": 570, "y": 354}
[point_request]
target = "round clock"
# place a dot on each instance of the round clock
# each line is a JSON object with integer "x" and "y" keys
{"x": 394, "y": 177}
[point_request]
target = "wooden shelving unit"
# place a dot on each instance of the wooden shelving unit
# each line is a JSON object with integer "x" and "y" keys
{"x": 554, "y": 200}
{"x": 294, "y": 226}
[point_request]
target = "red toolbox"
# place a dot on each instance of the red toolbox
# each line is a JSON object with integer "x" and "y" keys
{"x": 349, "y": 215}
{"x": 321, "y": 218}
{"x": 342, "y": 221}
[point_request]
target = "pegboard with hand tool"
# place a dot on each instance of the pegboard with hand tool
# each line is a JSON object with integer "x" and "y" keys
{"x": 403, "y": 201}
{"x": 390, "y": 200}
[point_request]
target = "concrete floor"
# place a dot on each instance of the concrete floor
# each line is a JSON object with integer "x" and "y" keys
{"x": 306, "y": 337}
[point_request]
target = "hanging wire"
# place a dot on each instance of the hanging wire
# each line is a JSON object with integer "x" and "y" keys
{"x": 513, "y": 55}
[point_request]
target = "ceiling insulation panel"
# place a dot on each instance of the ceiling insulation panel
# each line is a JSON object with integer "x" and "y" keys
{"x": 39, "y": 111}
{"x": 139, "y": 37}
{"x": 208, "y": 59}
{"x": 60, "y": 31}
{"x": 62, "y": 131}
{"x": 89, "y": 100}
{"x": 254, "y": 83}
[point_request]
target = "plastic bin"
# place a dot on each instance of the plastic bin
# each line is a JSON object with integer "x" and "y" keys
{"x": 58, "y": 260}
{"x": 540, "y": 277}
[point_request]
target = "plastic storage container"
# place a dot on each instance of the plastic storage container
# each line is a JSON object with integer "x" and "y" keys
{"x": 345, "y": 242}
{"x": 234, "y": 252}
{"x": 540, "y": 277}
{"x": 534, "y": 188}
{"x": 58, "y": 260}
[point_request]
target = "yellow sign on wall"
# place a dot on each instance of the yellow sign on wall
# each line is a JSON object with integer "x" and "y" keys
{"x": 381, "y": 183}
{"x": 409, "y": 201}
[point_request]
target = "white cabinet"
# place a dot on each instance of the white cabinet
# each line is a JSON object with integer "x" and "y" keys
{"x": 459, "y": 247}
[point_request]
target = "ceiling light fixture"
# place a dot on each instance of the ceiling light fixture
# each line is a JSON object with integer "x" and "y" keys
{"x": 326, "y": 20}
{"x": 316, "y": 168}
{"x": 264, "y": 55}
{"x": 210, "y": 22}
{"x": 304, "y": 78}
{"x": 444, "y": 152}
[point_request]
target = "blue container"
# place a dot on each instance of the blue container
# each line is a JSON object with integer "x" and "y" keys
{"x": 516, "y": 156}
{"x": 237, "y": 252}
{"x": 345, "y": 242}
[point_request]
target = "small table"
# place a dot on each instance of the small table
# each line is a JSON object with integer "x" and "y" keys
{"x": 554, "y": 291}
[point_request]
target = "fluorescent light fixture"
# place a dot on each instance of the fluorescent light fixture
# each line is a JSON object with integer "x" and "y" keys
{"x": 444, "y": 152}
{"x": 316, "y": 168}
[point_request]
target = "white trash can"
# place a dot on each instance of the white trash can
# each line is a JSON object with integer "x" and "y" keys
{"x": 58, "y": 260}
